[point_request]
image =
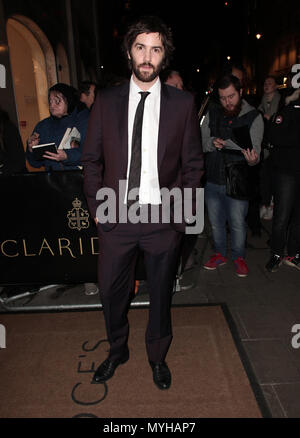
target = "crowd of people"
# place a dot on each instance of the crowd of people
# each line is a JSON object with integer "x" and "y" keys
{"x": 248, "y": 165}
{"x": 274, "y": 173}
{"x": 273, "y": 170}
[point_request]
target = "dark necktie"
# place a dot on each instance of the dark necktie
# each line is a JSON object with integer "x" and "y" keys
{"x": 136, "y": 152}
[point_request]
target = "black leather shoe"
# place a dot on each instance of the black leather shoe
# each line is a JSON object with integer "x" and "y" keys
{"x": 106, "y": 370}
{"x": 161, "y": 375}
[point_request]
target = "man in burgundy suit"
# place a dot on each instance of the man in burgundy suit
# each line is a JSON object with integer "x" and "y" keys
{"x": 146, "y": 134}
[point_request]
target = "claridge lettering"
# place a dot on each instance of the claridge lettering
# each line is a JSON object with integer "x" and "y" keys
{"x": 3, "y": 248}
{"x": 47, "y": 246}
{"x": 25, "y": 249}
{"x": 60, "y": 247}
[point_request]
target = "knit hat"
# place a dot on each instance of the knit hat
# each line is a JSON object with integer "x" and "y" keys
{"x": 70, "y": 93}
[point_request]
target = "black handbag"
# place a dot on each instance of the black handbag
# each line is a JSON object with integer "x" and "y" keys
{"x": 238, "y": 183}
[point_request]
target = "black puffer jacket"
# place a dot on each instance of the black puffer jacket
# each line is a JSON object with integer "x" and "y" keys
{"x": 284, "y": 136}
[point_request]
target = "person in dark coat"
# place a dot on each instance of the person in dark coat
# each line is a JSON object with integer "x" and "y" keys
{"x": 284, "y": 136}
{"x": 12, "y": 155}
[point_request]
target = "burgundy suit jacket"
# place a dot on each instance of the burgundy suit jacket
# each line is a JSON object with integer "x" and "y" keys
{"x": 105, "y": 151}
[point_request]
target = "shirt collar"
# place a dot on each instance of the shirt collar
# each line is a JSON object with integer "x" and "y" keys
{"x": 154, "y": 90}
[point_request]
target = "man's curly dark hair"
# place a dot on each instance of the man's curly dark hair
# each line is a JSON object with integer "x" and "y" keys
{"x": 149, "y": 24}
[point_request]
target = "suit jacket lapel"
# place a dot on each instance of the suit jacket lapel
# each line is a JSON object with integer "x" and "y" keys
{"x": 163, "y": 124}
{"x": 122, "y": 112}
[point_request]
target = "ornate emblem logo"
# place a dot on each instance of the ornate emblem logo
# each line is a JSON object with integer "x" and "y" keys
{"x": 78, "y": 217}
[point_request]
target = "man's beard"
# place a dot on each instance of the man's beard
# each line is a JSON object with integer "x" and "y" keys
{"x": 146, "y": 76}
{"x": 235, "y": 111}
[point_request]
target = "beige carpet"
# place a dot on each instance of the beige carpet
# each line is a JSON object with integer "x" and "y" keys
{"x": 49, "y": 360}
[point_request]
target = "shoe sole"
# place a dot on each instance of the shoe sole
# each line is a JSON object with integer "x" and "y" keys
{"x": 213, "y": 269}
{"x": 242, "y": 275}
{"x": 287, "y": 263}
{"x": 162, "y": 388}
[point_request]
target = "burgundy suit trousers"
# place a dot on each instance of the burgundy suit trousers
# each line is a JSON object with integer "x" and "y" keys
{"x": 118, "y": 251}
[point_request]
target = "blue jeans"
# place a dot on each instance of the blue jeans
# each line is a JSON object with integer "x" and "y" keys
{"x": 222, "y": 209}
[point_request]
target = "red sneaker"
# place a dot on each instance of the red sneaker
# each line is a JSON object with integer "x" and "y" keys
{"x": 241, "y": 267}
{"x": 292, "y": 261}
{"x": 215, "y": 261}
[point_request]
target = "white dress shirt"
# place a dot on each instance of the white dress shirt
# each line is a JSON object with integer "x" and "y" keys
{"x": 149, "y": 192}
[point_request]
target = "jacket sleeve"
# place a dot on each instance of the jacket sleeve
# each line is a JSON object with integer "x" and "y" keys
{"x": 29, "y": 155}
{"x": 92, "y": 157}
{"x": 192, "y": 157}
{"x": 74, "y": 155}
{"x": 257, "y": 133}
{"x": 207, "y": 139}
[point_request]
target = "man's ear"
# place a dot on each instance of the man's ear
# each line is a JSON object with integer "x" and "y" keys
{"x": 128, "y": 54}
{"x": 241, "y": 92}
